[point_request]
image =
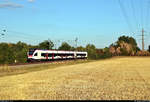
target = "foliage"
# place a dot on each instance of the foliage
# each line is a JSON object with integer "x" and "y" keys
{"x": 143, "y": 53}
{"x": 21, "y": 52}
{"x": 91, "y": 49}
{"x": 5, "y": 53}
{"x": 65, "y": 46}
{"x": 11, "y": 53}
{"x": 80, "y": 48}
{"x": 129, "y": 40}
{"x": 105, "y": 54}
{"x": 17, "y": 53}
{"x": 124, "y": 46}
{"x": 46, "y": 45}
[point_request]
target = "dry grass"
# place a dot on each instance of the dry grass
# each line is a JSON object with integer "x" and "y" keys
{"x": 6, "y": 70}
{"x": 117, "y": 79}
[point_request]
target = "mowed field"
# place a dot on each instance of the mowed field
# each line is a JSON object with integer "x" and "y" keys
{"x": 119, "y": 78}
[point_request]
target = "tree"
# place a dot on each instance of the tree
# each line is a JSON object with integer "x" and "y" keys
{"x": 91, "y": 49}
{"x": 4, "y": 51}
{"x": 72, "y": 49}
{"x": 106, "y": 54}
{"x": 21, "y": 50}
{"x": 118, "y": 52}
{"x": 46, "y": 45}
{"x": 124, "y": 46}
{"x": 7, "y": 54}
{"x": 129, "y": 40}
{"x": 143, "y": 53}
{"x": 112, "y": 50}
{"x": 80, "y": 48}
{"x": 65, "y": 46}
{"x": 33, "y": 46}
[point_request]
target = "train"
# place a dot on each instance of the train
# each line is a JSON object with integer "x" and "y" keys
{"x": 35, "y": 55}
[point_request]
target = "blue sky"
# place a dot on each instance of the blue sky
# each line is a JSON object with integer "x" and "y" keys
{"x": 99, "y": 22}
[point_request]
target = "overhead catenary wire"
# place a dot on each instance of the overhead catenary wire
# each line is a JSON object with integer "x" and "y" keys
{"x": 18, "y": 35}
{"x": 25, "y": 34}
{"x": 23, "y": 39}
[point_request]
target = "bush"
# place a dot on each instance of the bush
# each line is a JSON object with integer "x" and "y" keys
{"x": 143, "y": 53}
{"x": 11, "y": 52}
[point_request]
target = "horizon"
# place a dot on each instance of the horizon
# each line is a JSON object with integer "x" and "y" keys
{"x": 98, "y": 22}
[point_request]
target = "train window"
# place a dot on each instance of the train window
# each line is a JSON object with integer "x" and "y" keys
{"x": 81, "y": 54}
{"x": 43, "y": 54}
{"x": 59, "y": 54}
{"x": 63, "y": 54}
{"x": 70, "y": 54}
{"x": 78, "y": 54}
{"x": 35, "y": 54}
{"x": 49, "y": 55}
{"x": 55, "y": 55}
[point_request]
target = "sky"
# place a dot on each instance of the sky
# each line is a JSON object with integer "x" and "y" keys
{"x": 98, "y": 22}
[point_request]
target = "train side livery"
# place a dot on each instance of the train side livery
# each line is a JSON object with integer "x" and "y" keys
{"x": 48, "y": 55}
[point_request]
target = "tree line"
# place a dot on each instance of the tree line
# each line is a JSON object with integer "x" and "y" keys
{"x": 17, "y": 53}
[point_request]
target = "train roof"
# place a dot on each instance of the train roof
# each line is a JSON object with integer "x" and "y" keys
{"x": 58, "y": 50}
{"x": 54, "y": 50}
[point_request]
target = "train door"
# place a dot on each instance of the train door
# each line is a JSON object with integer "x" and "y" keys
{"x": 46, "y": 56}
{"x": 66, "y": 55}
{"x": 61, "y": 56}
{"x": 52, "y": 56}
{"x": 73, "y": 55}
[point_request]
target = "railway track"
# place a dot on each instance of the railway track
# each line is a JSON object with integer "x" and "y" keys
{"x": 46, "y": 62}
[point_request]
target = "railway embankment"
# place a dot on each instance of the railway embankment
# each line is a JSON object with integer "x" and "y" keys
{"x": 6, "y": 70}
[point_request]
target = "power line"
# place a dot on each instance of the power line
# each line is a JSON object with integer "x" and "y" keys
{"x": 134, "y": 14}
{"x": 147, "y": 14}
{"x": 21, "y": 36}
{"x": 141, "y": 6}
{"x": 125, "y": 15}
{"x": 24, "y": 34}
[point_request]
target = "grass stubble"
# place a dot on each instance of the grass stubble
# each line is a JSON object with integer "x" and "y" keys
{"x": 126, "y": 78}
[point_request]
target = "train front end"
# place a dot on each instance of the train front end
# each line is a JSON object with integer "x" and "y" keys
{"x": 30, "y": 55}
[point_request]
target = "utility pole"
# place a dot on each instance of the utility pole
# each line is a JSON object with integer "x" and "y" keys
{"x": 58, "y": 42}
{"x": 2, "y": 34}
{"x": 76, "y": 40}
{"x": 49, "y": 43}
{"x": 143, "y": 39}
{"x": 55, "y": 43}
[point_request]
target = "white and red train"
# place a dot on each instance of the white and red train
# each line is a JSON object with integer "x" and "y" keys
{"x": 48, "y": 55}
